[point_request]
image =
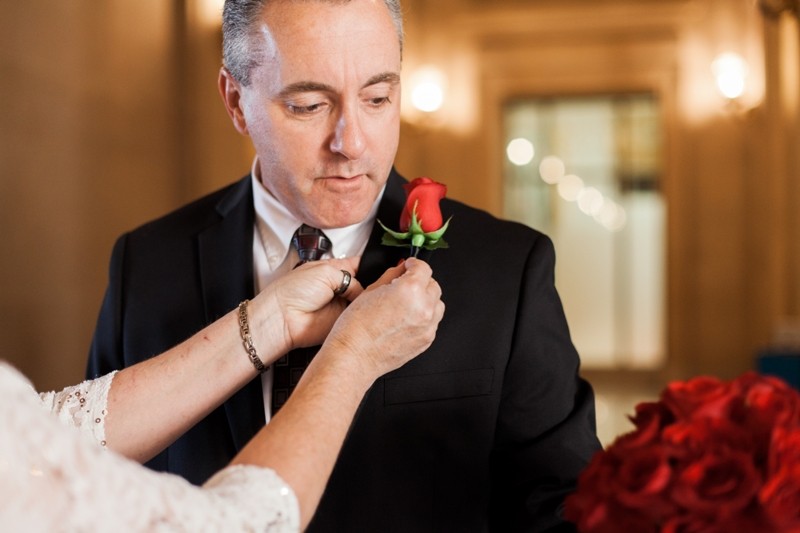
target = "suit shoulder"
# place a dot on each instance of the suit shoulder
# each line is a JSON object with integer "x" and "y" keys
{"x": 480, "y": 224}
{"x": 197, "y": 214}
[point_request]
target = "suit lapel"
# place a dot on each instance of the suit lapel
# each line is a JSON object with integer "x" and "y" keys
{"x": 377, "y": 258}
{"x": 225, "y": 252}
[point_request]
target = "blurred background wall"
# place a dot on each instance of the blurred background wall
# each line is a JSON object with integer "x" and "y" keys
{"x": 109, "y": 116}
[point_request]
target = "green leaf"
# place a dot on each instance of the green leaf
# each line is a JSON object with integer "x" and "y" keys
{"x": 396, "y": 234}
{"x": 435, "y": 245}
{"x": 436, "y": 235}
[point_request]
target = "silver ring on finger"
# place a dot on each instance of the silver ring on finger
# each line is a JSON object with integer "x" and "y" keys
{"x": 344, "y": 285}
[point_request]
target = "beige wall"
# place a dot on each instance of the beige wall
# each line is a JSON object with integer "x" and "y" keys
{"x": 109, "y": 116}
{"x": 85, "y": 146}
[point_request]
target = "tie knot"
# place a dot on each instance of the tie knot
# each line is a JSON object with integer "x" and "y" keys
{"x": 311, "y": 243}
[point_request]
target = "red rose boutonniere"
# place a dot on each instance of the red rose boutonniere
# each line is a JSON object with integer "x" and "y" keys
{"x": 711, "y": 455}
{"x": 421, "y": 220}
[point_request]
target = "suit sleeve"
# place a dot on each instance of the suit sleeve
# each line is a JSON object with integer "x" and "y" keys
{"x": 546, "y": 430}
{"x": 106, "y": 352}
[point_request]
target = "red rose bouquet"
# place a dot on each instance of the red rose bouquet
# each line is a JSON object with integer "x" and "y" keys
{"x": 709, "y": 456}
{"x": 421, "y": 220}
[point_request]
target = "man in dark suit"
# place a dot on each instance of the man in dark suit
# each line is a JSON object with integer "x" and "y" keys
{"x": 489, "y": 428}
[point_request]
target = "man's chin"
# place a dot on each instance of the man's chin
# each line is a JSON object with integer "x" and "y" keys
{"x": 343, "y": 218}
{"x": 339, "y": 211}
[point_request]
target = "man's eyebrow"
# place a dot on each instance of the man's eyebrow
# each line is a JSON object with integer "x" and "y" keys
{"x": 312, "y": 86}
{"x": 304, "y": 87}
{"x": 391, "y": 78}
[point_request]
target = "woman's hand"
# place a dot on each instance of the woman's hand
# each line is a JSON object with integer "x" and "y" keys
{"x": 392, "y": 321}
{"x": 300, "y": 308}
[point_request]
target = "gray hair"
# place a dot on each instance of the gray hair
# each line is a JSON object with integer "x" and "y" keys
{"x": 239, "y": 20}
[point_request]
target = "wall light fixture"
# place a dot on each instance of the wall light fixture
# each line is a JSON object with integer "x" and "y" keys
{"x": 730, "y": 73}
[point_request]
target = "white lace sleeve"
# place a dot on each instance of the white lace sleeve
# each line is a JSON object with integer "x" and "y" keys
{"x": 52, "y": 480}
{"x": 82, "y": 406}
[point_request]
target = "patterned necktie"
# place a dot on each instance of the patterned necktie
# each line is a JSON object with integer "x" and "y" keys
{"x": 311, "y": 245}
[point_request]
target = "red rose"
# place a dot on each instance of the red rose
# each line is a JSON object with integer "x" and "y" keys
{"x": 641, "y": 480}
{"x": 700, "y": 397}
{"x": 601, "y": 516}
{"x": 718, "y": 484}
{"x": 692, "y": 523}
{"x": 710, "y": 457}
{"x": 619, "y": 487}
{"x": 686, "y": 441}
{"x": 593, "y": 481}
{"x": 425, "y": 194}
{"x": 769, "y": 402}
{"x": 689, "y": 524}
{"x": 780, "y": 498}
{"x": 590, "y": 506}
{"x": 784, "y": 448}
{"x": 650, "y": 419}
{"x": 594, "y": 507}
{"x": 750, "y": 378}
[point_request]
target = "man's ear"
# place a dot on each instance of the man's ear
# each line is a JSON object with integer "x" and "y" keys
{"x": 231, "y": 93}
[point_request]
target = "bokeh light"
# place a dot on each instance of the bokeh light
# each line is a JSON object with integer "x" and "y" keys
{"x": 427, "y": 96}
{"x": 569, "y": 187}
{"x": 552, "y": 169}
{"x": 520, "y": 151}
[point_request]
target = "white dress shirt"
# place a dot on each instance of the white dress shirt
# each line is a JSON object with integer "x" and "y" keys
{"x": 274, "y": 256}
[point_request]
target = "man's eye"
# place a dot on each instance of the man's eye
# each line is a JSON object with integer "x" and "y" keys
{"x": 379, "y": 101}
{"x": 305, "y": 109}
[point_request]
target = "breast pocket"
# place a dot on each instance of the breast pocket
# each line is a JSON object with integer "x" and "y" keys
{"x": 441, "y": 386}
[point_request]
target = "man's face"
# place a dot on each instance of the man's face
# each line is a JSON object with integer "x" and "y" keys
{"x": 323, "y": 107}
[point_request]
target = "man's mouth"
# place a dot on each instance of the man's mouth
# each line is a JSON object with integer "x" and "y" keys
{"x": 344, "y": 183}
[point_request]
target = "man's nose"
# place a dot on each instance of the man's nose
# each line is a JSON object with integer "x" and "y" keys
{"x": 348, "y": 137}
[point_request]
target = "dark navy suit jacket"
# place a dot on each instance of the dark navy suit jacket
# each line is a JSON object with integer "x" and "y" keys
{"x": 486, "y": 430}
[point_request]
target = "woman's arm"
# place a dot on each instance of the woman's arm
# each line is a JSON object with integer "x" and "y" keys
{"x": 154, "y": 402}
{"x": 390, "y": 323}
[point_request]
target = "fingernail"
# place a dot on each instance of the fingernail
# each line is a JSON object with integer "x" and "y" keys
{"x": 400, "y": 262}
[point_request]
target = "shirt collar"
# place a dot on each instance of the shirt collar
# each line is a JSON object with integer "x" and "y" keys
{"x": 277, "y": 225}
